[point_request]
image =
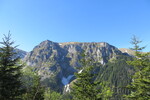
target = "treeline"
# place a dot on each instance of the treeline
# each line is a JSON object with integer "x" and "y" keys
{"x": 122, "y": 78}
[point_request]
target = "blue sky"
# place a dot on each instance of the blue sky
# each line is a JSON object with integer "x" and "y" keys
{"x": 112, "y": 21}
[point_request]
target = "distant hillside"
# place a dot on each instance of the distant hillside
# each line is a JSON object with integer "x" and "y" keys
{"x": 20, "y": 53}
{"x": 128, "y": 51}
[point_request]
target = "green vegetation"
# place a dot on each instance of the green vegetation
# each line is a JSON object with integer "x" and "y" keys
{"x": 15, "y": 82}
{"x": 31, "y": 85}
{"x": 51, "y": 95}
{"x": 122, "y": 77}
{"x": 10, "y": 84}
{"x": 85, "y": 85}
{"x": 140, "y": 84}
{"x": 117, "y": 73}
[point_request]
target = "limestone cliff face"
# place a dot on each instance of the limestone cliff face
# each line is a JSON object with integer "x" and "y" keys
{"x": 62, "y": 59}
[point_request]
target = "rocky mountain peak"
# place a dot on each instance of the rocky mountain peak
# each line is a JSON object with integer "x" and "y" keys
{"x": 20, "y": 53}
{"x": 61, "y": 60}
{"x": 46, "y": 50}
{"x": 45, "y": 44}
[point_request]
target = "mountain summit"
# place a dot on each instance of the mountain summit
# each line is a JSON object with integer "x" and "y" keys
{"x": 57, "y": 62}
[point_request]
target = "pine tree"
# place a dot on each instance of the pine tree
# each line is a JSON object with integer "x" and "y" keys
{"x": 85, "y": 87}
{"x": 140, "y": 85}
{"x": 10, "y": 84}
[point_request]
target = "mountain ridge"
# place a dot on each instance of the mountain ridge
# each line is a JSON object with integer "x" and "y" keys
{"x": 56, "y": 63}
{"x": 60, "y": 60}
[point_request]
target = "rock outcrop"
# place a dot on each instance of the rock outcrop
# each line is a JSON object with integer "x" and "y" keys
{"x": 61, "y": 60}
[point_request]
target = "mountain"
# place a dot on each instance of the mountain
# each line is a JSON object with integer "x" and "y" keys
{"x": 56, "y": 63}
{"x": 20, "y": 53}
{"x": 62, "y": 59}
{"x": 117, "y": 73}
{"x": 60, "y": 52}
{"x": 127, "y": 51}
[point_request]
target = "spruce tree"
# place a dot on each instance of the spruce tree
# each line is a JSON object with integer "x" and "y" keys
{"x": 85, "y": 87}
{"x": 140, "y": 85}
{"x": 10, "y": 84}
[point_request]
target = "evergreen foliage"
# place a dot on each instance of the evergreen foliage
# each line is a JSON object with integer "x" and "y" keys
{"x": 51, "y": 95}
{"x": 85, "y": 87}
{"x": 67, "y": 96}
{"x": 140, "y": 85}
{"x": 32, "y": 85}
{"x": 117, "y": 73}
{"x": 10, "y": 84}
{"x": 90, "y": 82}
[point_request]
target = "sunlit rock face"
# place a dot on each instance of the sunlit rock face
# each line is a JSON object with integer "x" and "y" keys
{"x": 20, "y": 53}
{"x": 61, "y": 60}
